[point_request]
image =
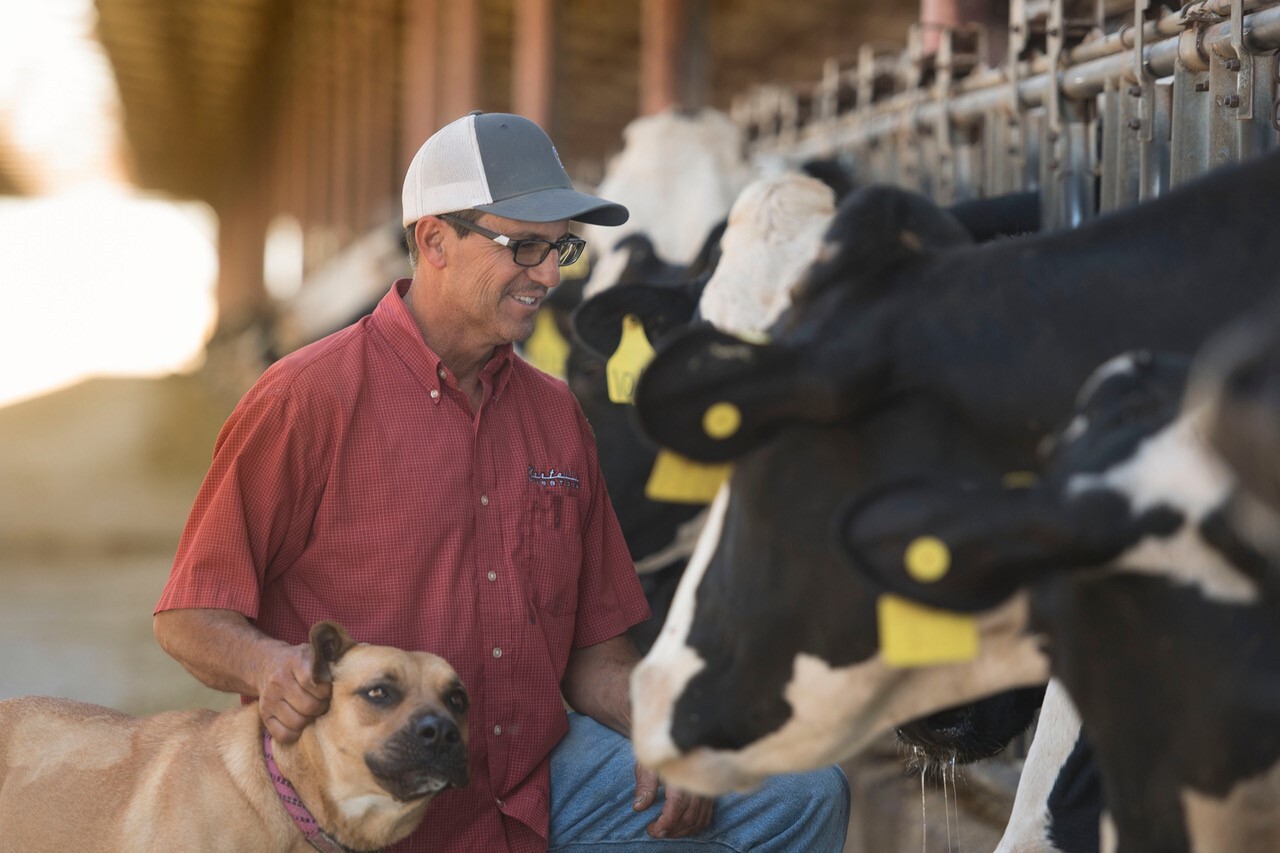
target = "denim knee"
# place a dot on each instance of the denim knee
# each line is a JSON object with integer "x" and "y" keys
{"x": 818, "y": 797}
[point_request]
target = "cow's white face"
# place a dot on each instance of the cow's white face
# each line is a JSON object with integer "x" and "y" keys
{"x": 826, "y": 707}
{"x": 775, "y": 228}
{"x": 678, "y": 176}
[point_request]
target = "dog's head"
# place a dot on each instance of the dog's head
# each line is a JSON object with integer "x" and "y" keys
{"x": 397, "y": 720}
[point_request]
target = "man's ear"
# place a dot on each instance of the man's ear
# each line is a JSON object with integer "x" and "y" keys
{"x": 429, "y": 232}
{"x": 329, "y": 642}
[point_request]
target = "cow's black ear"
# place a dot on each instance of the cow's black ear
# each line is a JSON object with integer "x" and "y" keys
{"x": 712, "y": 396}
{"x": 967, "y": 548}
{"x": 597, "y": 322}
{"x": 329, "y": 642}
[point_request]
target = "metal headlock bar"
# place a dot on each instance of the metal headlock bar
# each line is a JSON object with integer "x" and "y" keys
{"x": 1098, "y": 105}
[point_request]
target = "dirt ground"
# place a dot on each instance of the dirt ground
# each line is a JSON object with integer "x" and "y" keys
{"x": 96, "y": 484}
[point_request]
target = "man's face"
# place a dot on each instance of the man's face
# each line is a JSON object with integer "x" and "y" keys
{"x": 493, "y": 298}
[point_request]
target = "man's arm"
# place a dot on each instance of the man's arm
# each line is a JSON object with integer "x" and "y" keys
{"x": 223, "y": 651}
{"x": 597, "y": 683}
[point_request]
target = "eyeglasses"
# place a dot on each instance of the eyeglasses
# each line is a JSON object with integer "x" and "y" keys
{"x": 528, "y": 253}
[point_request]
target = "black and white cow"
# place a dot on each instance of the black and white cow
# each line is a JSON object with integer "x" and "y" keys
{"x": 1171, "y": 650}
{"x": 1058, "y": 805}
{"x": 774, "y": 230}
{"x": 771, "y": 234}
{"x": 678, "y": 174}
{"x": 908, "y": 351}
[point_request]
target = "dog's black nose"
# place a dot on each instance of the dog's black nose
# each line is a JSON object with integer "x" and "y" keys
{"x": 435, "y": 729}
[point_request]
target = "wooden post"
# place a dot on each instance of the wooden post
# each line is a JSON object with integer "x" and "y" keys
{"x": 533, "y": 60}
{"x": 419, "y": 106}
{"x": 241, "y": 291}
{"x": 460, "y": 75}
{"x": 341, "y": 117}
{"x": 662, "y": 26}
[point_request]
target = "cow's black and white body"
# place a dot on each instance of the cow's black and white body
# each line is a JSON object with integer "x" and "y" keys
{"x": 908, "y": 352}
{"x": 736, "y": 282}
{"x": 1171, "y": 648}
{"x": 1058, "y": 804}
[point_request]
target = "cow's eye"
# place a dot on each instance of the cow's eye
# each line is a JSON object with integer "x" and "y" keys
{"x": 458, "y": 700}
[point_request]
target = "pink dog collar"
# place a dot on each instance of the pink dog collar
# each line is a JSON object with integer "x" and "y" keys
{"x": 302, "y": 817}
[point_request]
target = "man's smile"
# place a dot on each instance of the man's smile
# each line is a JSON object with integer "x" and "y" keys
{"x": 529, "y": 300}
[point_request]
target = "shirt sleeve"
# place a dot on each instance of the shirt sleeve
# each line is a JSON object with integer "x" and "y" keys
{"x": 253, "y": 513}
{"x": 610, "y": 599}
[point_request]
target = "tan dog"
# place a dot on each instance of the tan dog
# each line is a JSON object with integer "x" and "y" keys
{"x": 87, "y": 778}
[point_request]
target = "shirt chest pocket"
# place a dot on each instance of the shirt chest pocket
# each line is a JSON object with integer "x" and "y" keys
{"x": 551, "y": 547}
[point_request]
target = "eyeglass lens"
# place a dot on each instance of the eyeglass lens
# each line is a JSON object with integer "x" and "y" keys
{"x": 530, "y": 253}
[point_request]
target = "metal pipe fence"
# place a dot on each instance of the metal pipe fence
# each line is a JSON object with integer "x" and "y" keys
{"x": 1097, "y": 104}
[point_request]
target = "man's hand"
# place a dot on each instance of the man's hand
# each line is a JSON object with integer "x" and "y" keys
{"x": 225, "y": 652}
{"x": 683, "y": 814}
{"x": 289, "y": 699}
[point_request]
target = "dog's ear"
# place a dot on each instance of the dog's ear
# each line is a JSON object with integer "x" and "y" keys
{"x": 330, "y": 642}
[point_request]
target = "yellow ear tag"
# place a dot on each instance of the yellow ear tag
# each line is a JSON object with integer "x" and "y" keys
{"x": 1019, "y": 479}
{"x": 721, "y": 420}
{"x": 676, "y": 479}
{"x": 927, "y": 559}
{"x": 751, "y": 336}
{"x": 632, "y": 356}
{"x": 546, "y": 348}
{"x": 914, "y": 635}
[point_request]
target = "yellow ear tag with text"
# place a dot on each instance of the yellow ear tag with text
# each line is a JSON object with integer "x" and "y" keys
{"x": 914, "y": 635}
{"x": 632, "y": 356}
{"x": 546, "y": 348}
{"x": 676, "y": 479}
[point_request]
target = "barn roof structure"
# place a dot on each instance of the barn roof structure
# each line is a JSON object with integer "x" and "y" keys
{"x": 313, "y": 109}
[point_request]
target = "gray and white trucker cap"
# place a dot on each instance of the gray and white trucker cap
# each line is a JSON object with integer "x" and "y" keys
{"x": 501, "y": 164}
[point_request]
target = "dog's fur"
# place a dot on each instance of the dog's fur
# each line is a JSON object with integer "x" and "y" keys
{"x": 82, "y": 777}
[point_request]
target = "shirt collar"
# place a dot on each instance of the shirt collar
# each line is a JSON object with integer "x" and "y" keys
{"x": 392, "y": 319}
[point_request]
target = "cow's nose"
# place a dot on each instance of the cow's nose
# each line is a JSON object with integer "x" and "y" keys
{"x": 436, "y": 729}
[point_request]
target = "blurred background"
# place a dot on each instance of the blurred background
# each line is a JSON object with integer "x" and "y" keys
{"x": 191, "y": 188}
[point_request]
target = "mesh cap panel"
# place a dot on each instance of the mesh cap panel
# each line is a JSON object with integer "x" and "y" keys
{"x": 446, "y": 174}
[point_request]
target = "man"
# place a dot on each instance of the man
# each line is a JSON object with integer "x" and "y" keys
{"x": 412, "y": 479}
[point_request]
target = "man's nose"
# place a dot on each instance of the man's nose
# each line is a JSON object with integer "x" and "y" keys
{"x": 547, "y": 273}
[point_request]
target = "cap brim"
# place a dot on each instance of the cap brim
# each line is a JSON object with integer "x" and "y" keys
{"x": 554, "y": 204}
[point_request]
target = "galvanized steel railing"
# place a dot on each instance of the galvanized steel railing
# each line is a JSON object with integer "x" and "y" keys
{"x": 1096, "y": 105}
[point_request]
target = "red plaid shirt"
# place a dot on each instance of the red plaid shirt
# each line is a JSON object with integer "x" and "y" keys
{"x": 352, "y": 483}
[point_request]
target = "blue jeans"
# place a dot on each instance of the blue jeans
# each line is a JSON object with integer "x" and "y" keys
{"x": 593, "y": 785}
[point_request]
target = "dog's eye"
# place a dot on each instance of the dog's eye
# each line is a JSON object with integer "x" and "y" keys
{"x": 458, "y": 700}
{"x": 379, "y": 694}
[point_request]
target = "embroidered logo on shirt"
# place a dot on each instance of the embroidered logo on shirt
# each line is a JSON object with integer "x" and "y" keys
{"x": 554, "y": 478}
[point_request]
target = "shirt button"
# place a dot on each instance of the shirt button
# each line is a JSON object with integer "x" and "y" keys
{"x": 493, "y": 576}
{"x": 497, "y": 653}
{"x": 484, "y": 500}
{"x": 441, "y": 373}
{"x": 435, "y": 395}
{"x": 497, "y": 730}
